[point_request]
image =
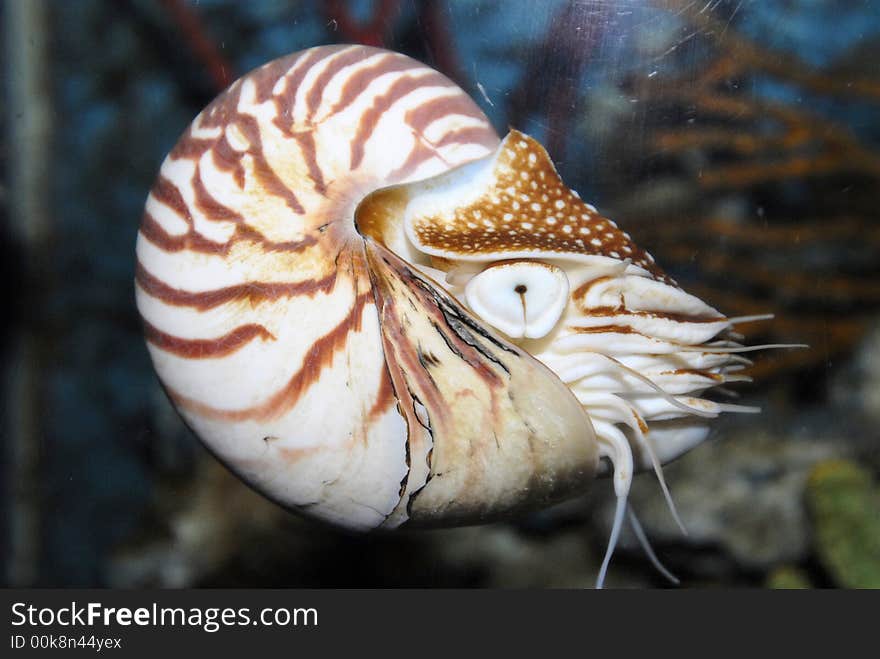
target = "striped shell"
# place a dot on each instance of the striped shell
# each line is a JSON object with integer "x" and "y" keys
{"x": 375, "y": 312}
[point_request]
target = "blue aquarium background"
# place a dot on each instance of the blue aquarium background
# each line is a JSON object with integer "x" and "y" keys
{"x": 738, "y": 141}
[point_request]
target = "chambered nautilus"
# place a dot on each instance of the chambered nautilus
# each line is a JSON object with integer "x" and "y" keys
{"x": 377, "y": 313}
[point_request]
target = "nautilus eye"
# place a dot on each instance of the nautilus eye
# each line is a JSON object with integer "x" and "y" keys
{"x": 339, "y": 269}
{"x": 523, "y": 299}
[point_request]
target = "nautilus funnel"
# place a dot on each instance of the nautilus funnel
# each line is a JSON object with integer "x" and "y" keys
{"x": 377, "y": 313}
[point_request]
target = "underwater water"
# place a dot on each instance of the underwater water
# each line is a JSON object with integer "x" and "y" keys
{"x": 737, "y": 141}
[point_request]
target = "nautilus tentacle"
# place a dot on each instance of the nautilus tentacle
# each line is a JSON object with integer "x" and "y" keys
{"x": 377, "y": 313}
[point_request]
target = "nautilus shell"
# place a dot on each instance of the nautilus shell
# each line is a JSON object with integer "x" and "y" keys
{"x": 377, "y": 313}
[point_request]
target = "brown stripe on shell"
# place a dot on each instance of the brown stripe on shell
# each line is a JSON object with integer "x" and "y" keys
{"x": 420, "y": 153}
{"x": 267, "y": 76}
{"x": 207, "y": 205}
{"x": 263, "y": 172}
{"x": 196, "y": 242}
{"x": 470, "y": 135}
{"x": 370, "y": 118}
{"x": 285, "y": 101}
{"x": 252, "y": 292}
{"x": 422, "y": 116}
{"x": 319, "y": 84}
{"x": 189, "y": 147}
{"x": 385, "y": 398}
{"x": 356, "y": 84}
{"x": 305, "y": 138}
{"x": 419, "y": 118}
{"x": 248, "y": 233}
{"x": 191, "y": 240}
{"x": 206, "y": 348}
{"x": 169, "y": 195}
{"x": 306, "y": 142}
{"x": 227, "y": 159}
{"x": 222, "y": 112}
{"x": 319, "y": 357}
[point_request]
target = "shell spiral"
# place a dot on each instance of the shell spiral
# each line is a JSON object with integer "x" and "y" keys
{"x": 316, "y": 363}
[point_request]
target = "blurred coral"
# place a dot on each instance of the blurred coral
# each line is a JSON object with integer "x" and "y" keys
{"x": 844, "y": 504}
{"x": 781, "y": 214}
{"x": 788, "y": 578}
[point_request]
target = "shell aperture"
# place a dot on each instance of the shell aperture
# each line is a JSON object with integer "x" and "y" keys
{"x": 342, "y": 230}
